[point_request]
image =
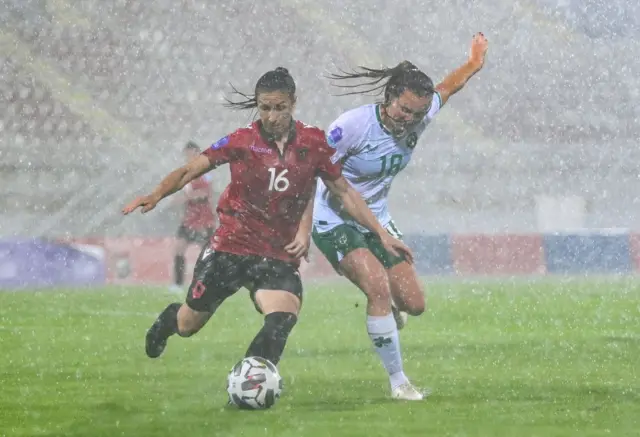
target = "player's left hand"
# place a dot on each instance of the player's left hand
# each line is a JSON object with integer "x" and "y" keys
{"x": 147, "y": 203}
{"x": 396, "y": 247}
{"x": 299, "y": 247}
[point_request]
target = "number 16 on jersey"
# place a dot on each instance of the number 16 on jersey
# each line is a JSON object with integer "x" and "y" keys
{"x": 278, "y": 182}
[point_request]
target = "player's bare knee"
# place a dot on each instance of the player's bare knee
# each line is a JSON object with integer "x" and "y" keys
{"x": 187, "y": 328}
{"x": 272, "y": 301}
{"x": 364, "y": 270}
{"x": 417, "y": 302}
{"x": 185, "y": 333}
{"x": 416, "y": 308}
{"x": 407, "y": 289}
{"x": 377, "y": 291}
{"x": 190, "y": 321}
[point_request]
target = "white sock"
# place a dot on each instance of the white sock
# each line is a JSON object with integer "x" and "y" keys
{"x": 384, "y": 336}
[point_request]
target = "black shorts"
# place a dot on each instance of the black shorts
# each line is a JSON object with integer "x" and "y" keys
{"x": 219, "y": 275}
{"x": 199, "y": 236}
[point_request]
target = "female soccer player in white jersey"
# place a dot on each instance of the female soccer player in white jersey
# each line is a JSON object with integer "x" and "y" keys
{"x": 375, "y": 142}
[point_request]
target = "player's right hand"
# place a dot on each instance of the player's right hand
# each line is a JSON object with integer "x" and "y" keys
{"x": 396, "y": 247}
{"x": 147, "y": 203}
{"x": 299, "y": 247}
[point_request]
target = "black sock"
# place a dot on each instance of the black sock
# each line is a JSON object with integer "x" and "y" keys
{"x": 270, "y": 341}
{"x": 168, "y": 320}
{"x": 178, "y": 269}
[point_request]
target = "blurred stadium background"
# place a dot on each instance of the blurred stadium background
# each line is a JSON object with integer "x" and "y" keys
{"x": 99, "y": 97}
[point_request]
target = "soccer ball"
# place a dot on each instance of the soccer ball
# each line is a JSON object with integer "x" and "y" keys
{"x": 254, "y": 384}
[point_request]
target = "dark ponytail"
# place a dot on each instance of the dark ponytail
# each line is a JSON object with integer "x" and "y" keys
{"x": 391, "y": 81}
{"x": 274, "y": 80}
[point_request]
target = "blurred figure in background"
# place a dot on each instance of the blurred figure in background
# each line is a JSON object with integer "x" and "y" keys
{"x": 198, "y": 218}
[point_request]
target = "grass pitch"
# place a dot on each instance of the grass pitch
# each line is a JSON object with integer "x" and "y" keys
{"x": 545, "y": 358}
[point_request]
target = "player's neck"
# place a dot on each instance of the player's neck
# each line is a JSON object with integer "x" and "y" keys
{"x": 279, "y": 139}
{"x": 384, "y": 118}
{"x": 281, "y": 143}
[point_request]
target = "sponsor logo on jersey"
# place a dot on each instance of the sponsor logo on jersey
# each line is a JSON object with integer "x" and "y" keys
{"x": 260, "y": 149}
{"x": 334, "y": 136}
{"x": 412, "y": 139}
{"x": 220, "y": 143}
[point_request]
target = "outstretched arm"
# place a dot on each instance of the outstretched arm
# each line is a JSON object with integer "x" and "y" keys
{"x": 226, "y": 149}
{"x": 457, "y": 79}
{"x": 173, "y": 182}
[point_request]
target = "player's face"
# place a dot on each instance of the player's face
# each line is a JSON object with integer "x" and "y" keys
{"x": 405, "y": 111}
{"x": 275, "y": 109}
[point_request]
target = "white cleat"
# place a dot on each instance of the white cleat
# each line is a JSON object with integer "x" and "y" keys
{"x": 400, "y": 316}
{"x": 407, "y": 392}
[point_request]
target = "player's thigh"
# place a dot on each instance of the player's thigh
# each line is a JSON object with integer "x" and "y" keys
{"x": 406, "y": 288}
{"x": 276, "y": 287}
{"x": 275, "y": 301}
{"x": 366, "y": 272}
{"x": 346, "y": 248}
{"x": 216, "y": 276}
{"x": 338, "y": 243}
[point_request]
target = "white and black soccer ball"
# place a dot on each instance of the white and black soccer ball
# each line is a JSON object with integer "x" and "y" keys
{"x": 254, "y": 384}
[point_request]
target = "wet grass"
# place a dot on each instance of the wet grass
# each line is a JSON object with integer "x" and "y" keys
{"x": 511, "y": 358}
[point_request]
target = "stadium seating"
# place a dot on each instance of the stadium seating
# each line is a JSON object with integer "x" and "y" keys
{"x": 100, "y": 96}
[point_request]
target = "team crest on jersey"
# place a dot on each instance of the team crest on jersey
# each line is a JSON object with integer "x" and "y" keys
{"x": 220, "y": 143}
{"x": 302, "y": 154}
{"x": 412, "y": 140}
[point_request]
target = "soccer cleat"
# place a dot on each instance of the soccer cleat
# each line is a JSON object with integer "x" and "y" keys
{"x": 400, "y": 317}
{"x": 155, "y": 341}
{"x": 407, "y": 392}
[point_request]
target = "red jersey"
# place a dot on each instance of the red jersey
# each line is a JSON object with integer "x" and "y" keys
{"x": 261, "y": 208}
{"x": 198, "y": 213}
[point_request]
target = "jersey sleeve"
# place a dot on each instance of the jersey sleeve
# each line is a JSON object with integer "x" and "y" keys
{"x": 345, "y": 135}
{"x": 226, "y": 149}
{"x": 327, "y": 168}
{"x": 436, "y": 105}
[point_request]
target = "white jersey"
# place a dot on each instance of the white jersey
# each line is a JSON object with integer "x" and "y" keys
{"x": 371, "y": 158}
